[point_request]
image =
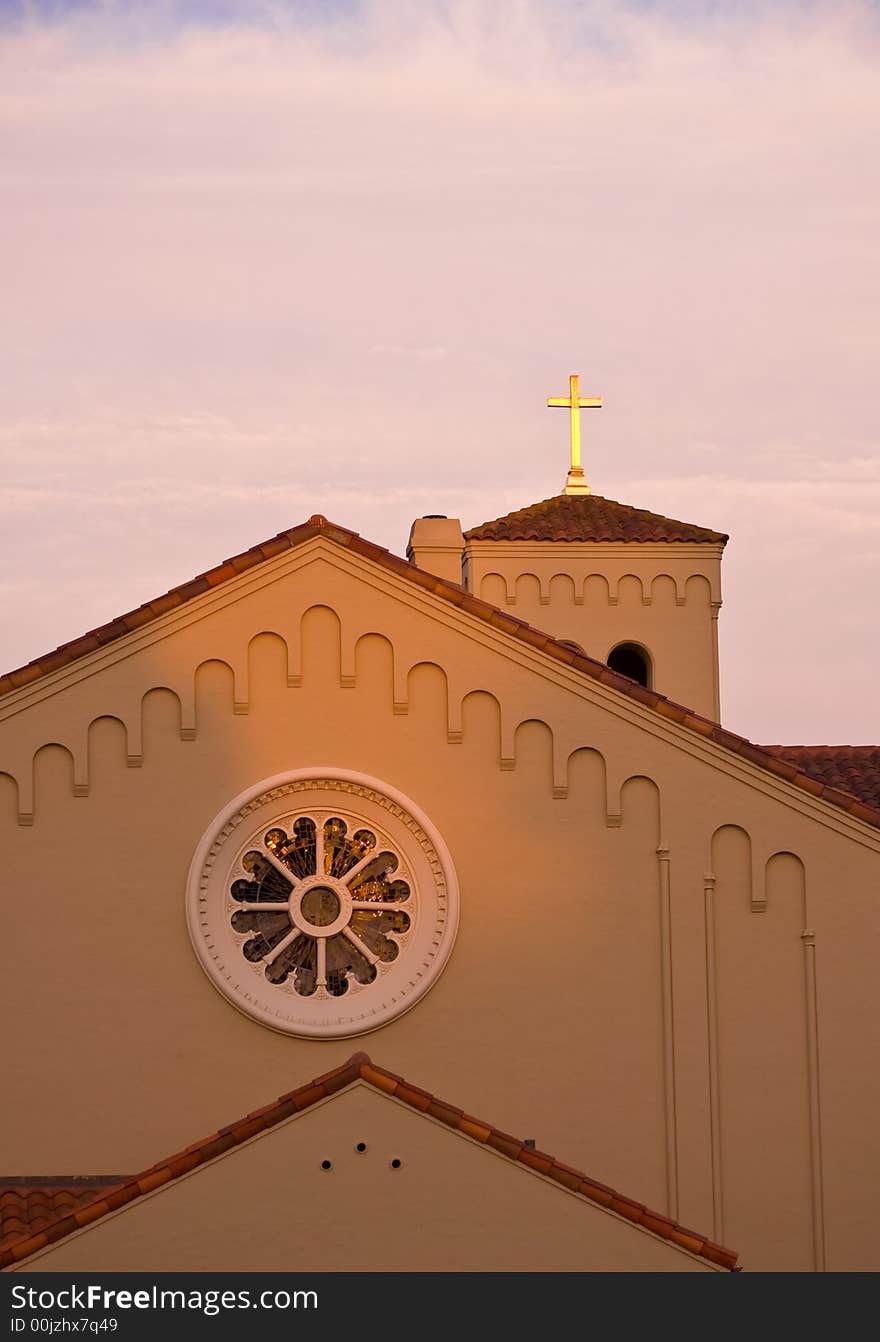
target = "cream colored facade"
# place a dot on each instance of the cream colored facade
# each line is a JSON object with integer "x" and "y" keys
{"x": 664, "y": 970}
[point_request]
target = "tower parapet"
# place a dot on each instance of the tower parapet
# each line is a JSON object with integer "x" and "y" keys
{"x": 630, "y": 587}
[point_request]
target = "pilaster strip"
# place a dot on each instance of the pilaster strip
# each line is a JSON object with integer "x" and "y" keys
{"x": 712, "y": 1035}
{"x": 808, "y": 939}
{"x": 668, "y": 1033}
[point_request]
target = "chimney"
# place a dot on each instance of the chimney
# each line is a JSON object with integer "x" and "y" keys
{"x": 436, "y": 544}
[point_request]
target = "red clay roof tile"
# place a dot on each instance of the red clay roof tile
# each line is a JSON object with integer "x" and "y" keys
{"x": 588, "y": 517}
{"x": 415, "y": 1098}
{"x": 358, "y": 1068}
{"x": 597, "y": 1192}
{"x": 28, "y": 1205}
{"x": 472, "y": 1126}
{"x": 688, "y": 1240}
{"x": 565, "y": 1175}
{"x": 381, "y": 1081}
{"x": 503, "y": 1142}
{"x": 535, "y": 1160}
{"x": 851, "y": 769}
{"x": 445, "y": 1113}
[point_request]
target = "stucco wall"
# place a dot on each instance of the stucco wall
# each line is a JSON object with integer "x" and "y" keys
{"x": 630, "y": 986}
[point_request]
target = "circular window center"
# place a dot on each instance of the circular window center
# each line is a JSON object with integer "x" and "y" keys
{"x": 320, "y": 906}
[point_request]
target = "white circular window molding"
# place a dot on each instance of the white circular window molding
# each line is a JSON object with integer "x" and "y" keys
{"x": 322, "y": 903}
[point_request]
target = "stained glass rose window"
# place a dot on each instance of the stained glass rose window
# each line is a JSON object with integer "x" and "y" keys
{"x": 322, "y": 904}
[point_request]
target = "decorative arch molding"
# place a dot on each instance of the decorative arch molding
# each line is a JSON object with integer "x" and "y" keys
{"x": 239, "y": 676}
{"x": 626, "y": 582}
{"x": 241, "y": 670}
{"x": 184, "y": 698}
{"x": 479, "y": 702}
{"x": 798, "y": 878}
{"x": 650, "y": 785}
{"x": 595, "y": 590}
{"x": 665, "y": 582}
{"x": 698, "y": 583}
{"x": 106, "y": 722}
{"x": 507, "y": 588}
{"x": 273, "y": 640}
{"x": 216, "y": 668}
{"x": 428, "y": 680}
{"x": 760, "y": 855}
{"x": 128, "y": 705}
{"x": 316, "y": 620}
{"x": 563, "y": 589}
{"x": 554, "y": 767}
{"x": 9, "y": 786}
{"x": 495, "y": 585}
{"x": 617, "y": 779}
{"x": 633, "y": 786}
{"x": 27, "y": 785}
{"x": 769, "y": 866}
{"x": 531, "y": 589}
{"x": 586, "y": 758}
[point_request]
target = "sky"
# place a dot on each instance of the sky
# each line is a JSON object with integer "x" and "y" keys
{"x": 267, "y": 260}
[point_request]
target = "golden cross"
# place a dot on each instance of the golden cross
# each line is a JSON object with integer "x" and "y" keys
{"x": 576, "y": 482}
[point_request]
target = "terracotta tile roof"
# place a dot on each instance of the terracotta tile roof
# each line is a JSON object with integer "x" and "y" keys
{"x": 360, "y": 1067}
{"x": 852, "y": 769}
{"x": 29, "y": 1205}
{"x": 588, "y": 517}
{"x": 456, "y": 596}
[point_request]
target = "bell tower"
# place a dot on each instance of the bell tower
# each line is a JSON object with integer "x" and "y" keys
{"x": 632, "y": 588}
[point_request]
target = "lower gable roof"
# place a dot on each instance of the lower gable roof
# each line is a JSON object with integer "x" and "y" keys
{"x": 361, "y": 1068}
{"x": 790, "y": 769}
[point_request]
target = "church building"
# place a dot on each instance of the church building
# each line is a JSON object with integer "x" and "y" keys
{"x": 419, "y": 913}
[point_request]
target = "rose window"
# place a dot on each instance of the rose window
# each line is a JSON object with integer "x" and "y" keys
{"x": 320, "y": 906}
{"x": 322, "y": 903}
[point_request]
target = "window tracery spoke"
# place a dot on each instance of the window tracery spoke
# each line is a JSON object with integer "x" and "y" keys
{"x": 281, "y": 945}
{"x": 379, "y": 904}
{"x": 267, "y": 906}
{"x": 360, "y": 945}
{"x": 322, "y": 962}
{"x": 270, "y": 926}
{"x": 355, "y": 870}
{"x": 374, "y": 874}
{"x": 282, "y": 867}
